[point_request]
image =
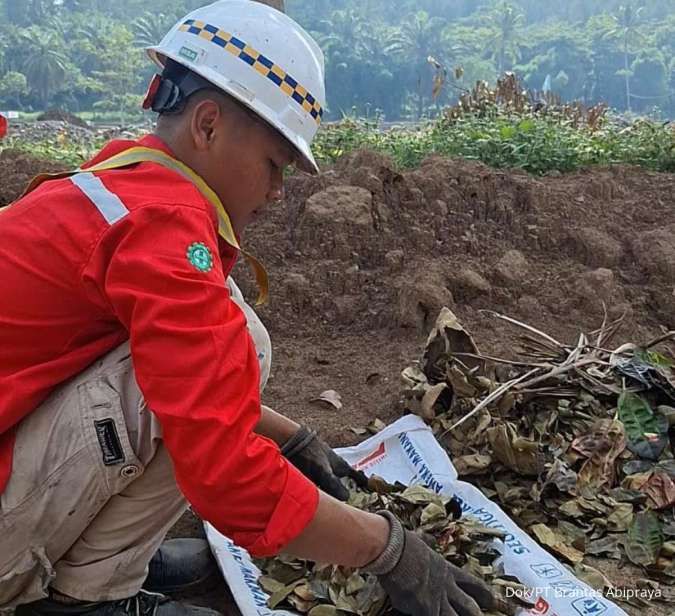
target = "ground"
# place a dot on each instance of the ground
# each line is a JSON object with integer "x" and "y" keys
{"x": 363, "y": 257}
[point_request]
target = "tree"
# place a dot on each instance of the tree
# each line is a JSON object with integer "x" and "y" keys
{"x": 650, "y": 79}
{"x": 506, "y": 21}
{"x": 121, "y": 71}
{"x": 27, "y": 12}
{"x": 150, "y": 28}
{"x": 359, "y": 72}
{"x": 560, "y": 50}
{"x": 418, "y": 38}
{"x": 625, "y": 27}
{"x": 14, "y": 86}
{"x": 44, "y": 64}
{"x": 80, "y": 52}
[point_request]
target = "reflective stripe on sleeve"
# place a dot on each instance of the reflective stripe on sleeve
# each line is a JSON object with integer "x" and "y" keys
{"x": 108, "y": 203}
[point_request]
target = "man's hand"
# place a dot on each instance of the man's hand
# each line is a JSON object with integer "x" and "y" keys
{"x": 319, "y": 463}
{"x": 311, "y": 456}
{"x": 421, "y": 582}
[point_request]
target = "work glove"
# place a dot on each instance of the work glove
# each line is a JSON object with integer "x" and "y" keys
{"x": 421, "y": 582}
{"x": 320, "y": 464}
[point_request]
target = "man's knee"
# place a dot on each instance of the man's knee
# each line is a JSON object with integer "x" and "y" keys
{"x": 90, "y": 441}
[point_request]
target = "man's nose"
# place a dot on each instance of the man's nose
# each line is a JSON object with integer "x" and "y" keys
{"x": 276, "y": 192}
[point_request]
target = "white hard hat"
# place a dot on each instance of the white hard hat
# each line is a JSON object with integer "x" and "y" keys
{"x": 259, "y": 56}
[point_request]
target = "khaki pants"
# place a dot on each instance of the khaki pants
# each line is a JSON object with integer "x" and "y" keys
{"x": 92, "y": 491}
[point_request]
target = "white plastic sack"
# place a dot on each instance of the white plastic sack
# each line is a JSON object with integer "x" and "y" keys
{"x": 407, "y": 451}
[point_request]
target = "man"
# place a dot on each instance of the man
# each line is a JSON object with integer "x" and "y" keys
{"x": 128, "y": 381}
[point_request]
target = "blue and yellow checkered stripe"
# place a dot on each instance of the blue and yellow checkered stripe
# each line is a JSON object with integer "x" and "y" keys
{"x": 259, "y": 62}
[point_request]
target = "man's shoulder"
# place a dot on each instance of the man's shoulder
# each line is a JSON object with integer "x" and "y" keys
{"x": 153, "y": 184}
{"x": 146, "y": 182}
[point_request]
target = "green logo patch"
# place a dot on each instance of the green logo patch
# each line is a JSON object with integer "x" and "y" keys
{"x": 188, "y": 54}
{"x": 199, "y": 255}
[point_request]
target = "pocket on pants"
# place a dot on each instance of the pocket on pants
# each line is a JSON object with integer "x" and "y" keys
{"x": 26, "y": 579}
{"x": 106, "y": 433}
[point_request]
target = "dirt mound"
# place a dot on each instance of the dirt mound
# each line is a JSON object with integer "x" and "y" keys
{"x": 378, "y": 248}
{"x": 366, "y": 246}
{"x": 58, "y": 115}
{"x": 18, "y": 169}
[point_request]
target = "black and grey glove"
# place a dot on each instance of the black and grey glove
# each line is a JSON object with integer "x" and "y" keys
{"x": 421, "y": 582}
{"x": 320, "y": 464}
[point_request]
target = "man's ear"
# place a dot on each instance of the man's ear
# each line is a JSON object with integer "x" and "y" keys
{"x": 204, "y": 120}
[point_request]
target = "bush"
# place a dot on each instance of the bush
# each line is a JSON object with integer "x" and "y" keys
{"x": 537, "y": 144}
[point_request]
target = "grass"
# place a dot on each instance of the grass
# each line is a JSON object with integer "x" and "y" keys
{"x": 536, "y": 144}
{"x": 57, "y": 150}
{"x": 94, "y": 117}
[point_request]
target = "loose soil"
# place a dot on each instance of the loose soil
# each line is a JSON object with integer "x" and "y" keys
{"x": 17, "y": 169}
{"x": 363, "y": 256}
{"x": 59, "y": 115}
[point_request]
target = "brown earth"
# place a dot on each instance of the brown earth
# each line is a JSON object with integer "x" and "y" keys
{"x": 59, "y": 115}
{"x": 363, "y": 256}
{"x": 17, "y": 170}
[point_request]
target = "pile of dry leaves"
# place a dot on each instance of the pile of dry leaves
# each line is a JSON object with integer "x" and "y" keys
{"x": 573, "y": 441}
{"x": 330, "y": 591}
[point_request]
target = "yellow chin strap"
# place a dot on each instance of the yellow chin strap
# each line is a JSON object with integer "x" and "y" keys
{"x": 137, "y": 155}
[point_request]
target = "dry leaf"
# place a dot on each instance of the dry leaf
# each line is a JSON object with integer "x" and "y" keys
{"x": 602, "y": 446}
{"x": 448, "y": 337}
{"x": 607, "y": 546}
{"x": 621, "y": 518}
{"x": 513, "y": 451}
{"x": 324, "y": 610}
{"x": 556, "y": 543}
{"x": 270, "y": 585}
{"x": 562, "y": 477}
{"x": 459, "y": 383}
{"x": 656, "y": 485}
{"x": 472, "y": 464}
{"x": 281, "y": 594}
{"x": 331, "y": 397}
{"x": 375, "y": 426}
{"x": 594, "y": 578}
{"x": 433, "y": 512}
{"x": 304, "y": 592}
{"x": 429, "y": 399}
{"x": 419, "y": 495}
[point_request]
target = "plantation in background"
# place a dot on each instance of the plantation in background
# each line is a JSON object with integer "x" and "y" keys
{"x": 394, "y": 56}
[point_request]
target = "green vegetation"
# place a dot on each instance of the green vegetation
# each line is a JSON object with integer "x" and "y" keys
{"x": 536, "y": 145}
{"x": 557, "y": 139}
{"x": 393, "y": 57}
{"x": 502, "y": 127}
{"x": 58, "y": 149}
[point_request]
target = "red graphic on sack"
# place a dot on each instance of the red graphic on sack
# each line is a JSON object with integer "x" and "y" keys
{"x": 540, "y": 607}
{"x": 378, "y": 454}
